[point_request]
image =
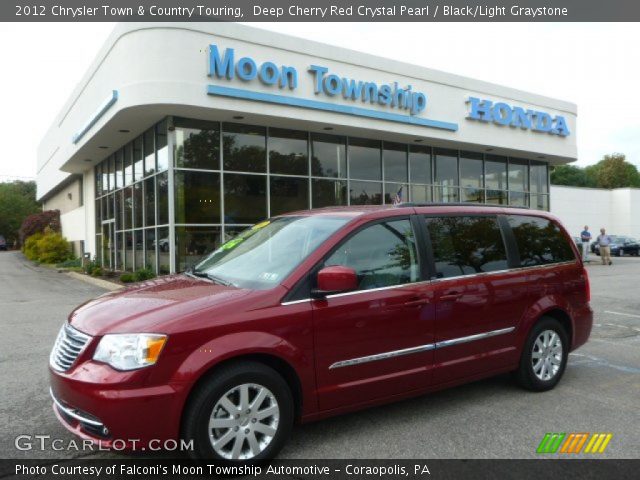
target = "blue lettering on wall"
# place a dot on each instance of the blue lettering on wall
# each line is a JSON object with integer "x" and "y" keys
{"x": 226, "y": 65}
{"x": 504, "y": 114}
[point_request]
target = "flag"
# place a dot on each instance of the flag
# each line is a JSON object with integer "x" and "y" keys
{"x": 398, "y": 198}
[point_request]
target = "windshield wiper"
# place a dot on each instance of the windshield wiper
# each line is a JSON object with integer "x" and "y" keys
{"x": 213, "y": 278}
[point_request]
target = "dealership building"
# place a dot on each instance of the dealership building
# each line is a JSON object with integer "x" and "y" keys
{"x": 181, "y": 135}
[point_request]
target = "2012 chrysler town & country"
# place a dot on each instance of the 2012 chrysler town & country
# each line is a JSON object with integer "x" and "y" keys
{"x": 317, "y": 313}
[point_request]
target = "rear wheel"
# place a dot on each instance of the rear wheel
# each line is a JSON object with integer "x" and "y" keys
{"x": 243, "y": 415}
{"x": 544, "y": 357}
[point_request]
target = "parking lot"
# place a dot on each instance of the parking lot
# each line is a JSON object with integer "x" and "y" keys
{"x": 487, "y": 419}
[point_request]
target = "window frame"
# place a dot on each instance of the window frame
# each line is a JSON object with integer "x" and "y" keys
{"x": 301, "y": 291}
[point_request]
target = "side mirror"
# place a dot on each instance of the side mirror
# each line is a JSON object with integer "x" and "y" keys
{"x": 335, "y": 279}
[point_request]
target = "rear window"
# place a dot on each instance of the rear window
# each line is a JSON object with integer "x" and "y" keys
{"x": 466, "y": 245}
{"x": 540, "y": 241}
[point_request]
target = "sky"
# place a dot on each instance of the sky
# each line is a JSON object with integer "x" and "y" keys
{"x": 595, "y": 65}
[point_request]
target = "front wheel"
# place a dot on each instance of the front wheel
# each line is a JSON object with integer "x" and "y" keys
{"x": 544, "y": 357}
{"x": 243, "y": 415}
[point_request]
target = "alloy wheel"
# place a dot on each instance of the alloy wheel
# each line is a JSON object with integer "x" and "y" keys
{"x": 546, "y": 357}
{"x": 243, "y": 422}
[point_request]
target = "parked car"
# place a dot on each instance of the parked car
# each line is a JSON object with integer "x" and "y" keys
{"x": 322, "y": 312}
{"x": 3, "y": 243}
{"x": 620, "y": 246}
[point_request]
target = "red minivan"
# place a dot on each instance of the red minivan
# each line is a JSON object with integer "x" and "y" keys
{"x": 318, "y": 313}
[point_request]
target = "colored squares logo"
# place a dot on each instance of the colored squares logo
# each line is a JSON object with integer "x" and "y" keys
{"x": 574, "y": 443}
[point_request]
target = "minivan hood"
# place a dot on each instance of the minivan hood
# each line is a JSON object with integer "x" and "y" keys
{"x": 148, "y": 307}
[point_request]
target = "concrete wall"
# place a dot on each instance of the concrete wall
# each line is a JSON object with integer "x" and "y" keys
{"x": 616, "y": 210}
{"x": 66, "y": 199}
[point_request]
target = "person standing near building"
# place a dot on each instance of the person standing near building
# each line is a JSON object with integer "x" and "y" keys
{"x": 604, "y": 242}
{"x": 585, "y": 236}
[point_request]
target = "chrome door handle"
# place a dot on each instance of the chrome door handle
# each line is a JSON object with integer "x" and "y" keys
{"x": 451, "y": 296}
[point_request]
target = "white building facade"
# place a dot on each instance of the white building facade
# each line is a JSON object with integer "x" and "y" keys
{"x": 615, "y": 210}
{"x": 181, "y": 135}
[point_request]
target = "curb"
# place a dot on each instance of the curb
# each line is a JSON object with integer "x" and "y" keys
{"x": 98, "y": 282}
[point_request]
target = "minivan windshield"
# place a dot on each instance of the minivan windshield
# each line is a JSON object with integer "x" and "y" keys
{"x": 263, "y": 255}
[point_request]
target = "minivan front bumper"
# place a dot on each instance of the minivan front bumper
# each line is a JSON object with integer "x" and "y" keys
{"x": 112, "y": 413}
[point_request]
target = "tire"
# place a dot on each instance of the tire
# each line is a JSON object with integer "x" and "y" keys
{"x": 228, "y": 383}
{"x": 533, "y": 377}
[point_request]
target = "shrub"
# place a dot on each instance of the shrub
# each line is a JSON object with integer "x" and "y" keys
{"x": 144, "y": 274}
{"x": 31, "y": 247}
{"x": 38, "y": 223}
{"x": 90, "y": 265}
{"x": 127, "y": 278}
{"x": 53, "y": 248}
{"x": 97, "y": 271}
{"x": 71, "y": 263}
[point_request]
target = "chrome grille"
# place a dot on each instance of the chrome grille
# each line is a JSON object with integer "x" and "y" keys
{"x": 69, "y": 344}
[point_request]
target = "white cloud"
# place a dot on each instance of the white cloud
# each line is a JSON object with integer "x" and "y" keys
{"x": 594, "y": 65}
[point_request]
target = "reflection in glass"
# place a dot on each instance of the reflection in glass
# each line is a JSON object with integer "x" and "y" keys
{"x": 539, "y": 241}
{"x": 128, "y": 165}
{"x": 138, "y": 207}
{"x": 197, "y": 144}
{"x": 245, "y": 198}
{"x": 538, "y": 178}
{"x": 327, "y": 193}
{"x": 421, "y": 193}
{"x": 471, "y": 170}
{"x": 446, "y": 175}
{"x": 518, "y": 199}
{"x": 149, "y": 201}
{"x": 162, "y": 189}
{"x": 498, "y": 197}
{"x": 244, "y": 148}
{"x": 162, "y": 150}
{"x": 197, "y": 197}
{"x": 138, "y": 160}
{"x": 364, "y": 159}
{"x": 98, "y": 176}
{"x": 164, "y": 258}
{"x": 540, "y": 202}
{"x": 365, "y": 193}
{"x": 382, "y": 255}
{"x": 288, "y": 194}
{"x": 129, "y": 251}
{"x": 192, "y": 243}
{"x": 420, "y": 164}
{"x": 127, "y": 205}
{"x": 111, "y": 168}
{"x": 495, "y": 172}
{"x": 395, "y": 193}
{"x": 329, "y": 156}
{"x": 149, "y": 152}
{"x": 118, "y": 210}
{"x": 466, "y": 245}
{"x": 119, "y": 168}
{"x": 471, "y": 195}
{"x": 518, "y": 175}
{"x": 138, "y": 238}
{"x": 150, "y": 248}
{"x": 394, "y": 157}
{"x": 288, "y": 152}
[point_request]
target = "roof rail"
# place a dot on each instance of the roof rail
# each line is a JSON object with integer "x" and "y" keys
{"x": 455, "y": 204}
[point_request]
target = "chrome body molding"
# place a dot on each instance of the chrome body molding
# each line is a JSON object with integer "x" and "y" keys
{"x": 434, "y": 281}
{"x": 72, "y": 413}
{"x": 420, "y": 348}
{"x": 383, "y": 356}
{"x": 473, "y": 338}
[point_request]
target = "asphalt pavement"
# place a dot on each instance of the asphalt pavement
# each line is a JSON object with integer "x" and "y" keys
{"x": 600, "y": 391}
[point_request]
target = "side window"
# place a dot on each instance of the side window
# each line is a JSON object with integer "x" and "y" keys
{"x": 540, "y": 241}
{"x": 382, "y": 255}
{"x": 466, "y": 245}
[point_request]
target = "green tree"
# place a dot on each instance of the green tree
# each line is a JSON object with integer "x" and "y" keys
{"x": 615, "y": 172}
{"x": 17, "y": 201}
{"x": 569, "y": 175}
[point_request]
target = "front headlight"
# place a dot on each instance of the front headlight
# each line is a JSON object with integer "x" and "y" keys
{"x": 128, "y": 351}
